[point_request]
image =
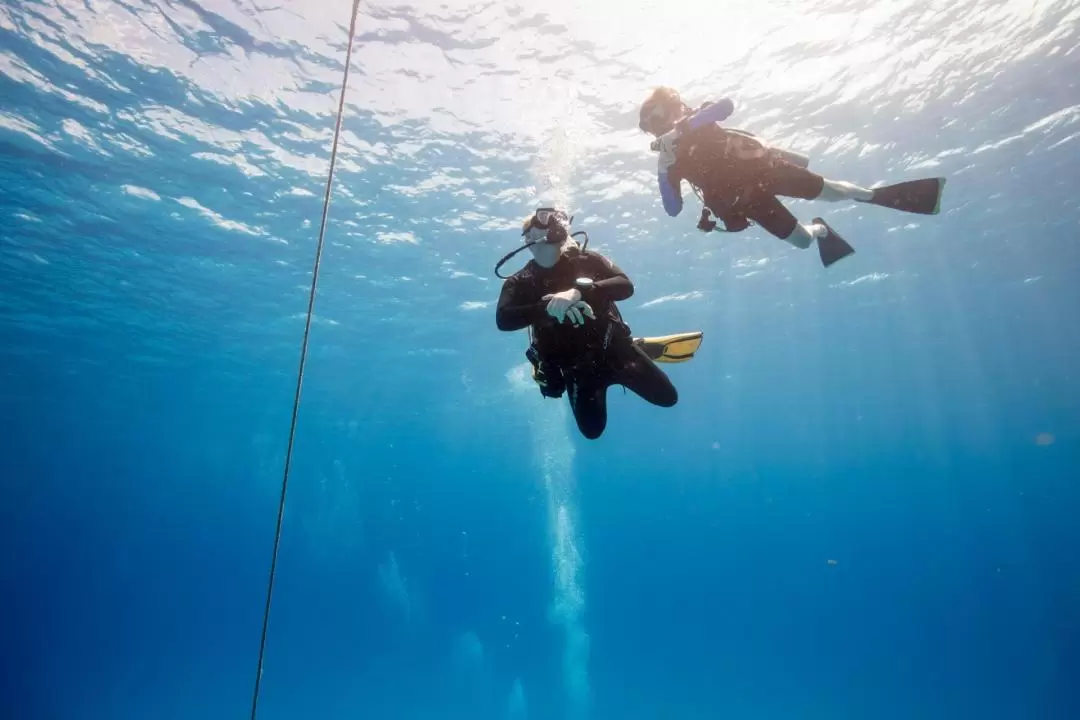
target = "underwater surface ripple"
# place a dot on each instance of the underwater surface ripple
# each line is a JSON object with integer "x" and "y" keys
{"x": 863, "y": 506}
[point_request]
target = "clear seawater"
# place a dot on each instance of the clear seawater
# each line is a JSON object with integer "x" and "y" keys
{"x": 864, "y": 504}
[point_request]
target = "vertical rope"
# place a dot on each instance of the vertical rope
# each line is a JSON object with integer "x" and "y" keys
{"x": 303, "y": 359}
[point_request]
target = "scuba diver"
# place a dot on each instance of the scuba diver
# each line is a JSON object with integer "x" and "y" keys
{"x": 579, "y": 343}
{"x": 738, "y": 176}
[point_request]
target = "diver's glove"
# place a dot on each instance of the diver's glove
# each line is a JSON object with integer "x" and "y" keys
{"x": 559, "y": 303}
{"x": 580, "y": 310}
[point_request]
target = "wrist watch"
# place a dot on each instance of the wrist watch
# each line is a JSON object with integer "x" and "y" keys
{"x": 583, "y": 283}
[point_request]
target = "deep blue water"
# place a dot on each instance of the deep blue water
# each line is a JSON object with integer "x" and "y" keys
{"x": 863, "y": 506}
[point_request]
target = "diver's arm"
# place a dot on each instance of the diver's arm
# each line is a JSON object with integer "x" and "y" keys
{"x": 511, "y": 314}
{"x": 712, "y": 113}
{"x": 669, "y": 182}
{"x": 610, "y": 282}
{"x": 670, "y": 193}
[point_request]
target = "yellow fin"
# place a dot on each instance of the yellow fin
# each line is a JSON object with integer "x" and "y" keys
{"x": 676, "y": 348}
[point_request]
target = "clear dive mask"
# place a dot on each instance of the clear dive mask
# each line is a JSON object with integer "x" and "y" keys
{"x": 544, "y": 226}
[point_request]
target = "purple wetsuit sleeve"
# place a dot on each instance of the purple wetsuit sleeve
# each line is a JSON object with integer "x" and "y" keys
{"x": 670, "y": 193}
{"x": 717, "y": 112}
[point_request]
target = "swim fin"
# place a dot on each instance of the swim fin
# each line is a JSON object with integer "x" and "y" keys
{"x": 832, "y": 247}
{"x": 671, "y": 348}
{"x": 914, "y": 196}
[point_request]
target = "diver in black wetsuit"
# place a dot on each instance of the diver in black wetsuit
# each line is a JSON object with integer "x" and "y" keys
{"x": 580, "y": 345}
{"x": 740, "y": 176}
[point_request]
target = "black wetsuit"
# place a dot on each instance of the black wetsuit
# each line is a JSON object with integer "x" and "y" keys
{"x": 590, "y": 357}
{"x": 740, "y": 179}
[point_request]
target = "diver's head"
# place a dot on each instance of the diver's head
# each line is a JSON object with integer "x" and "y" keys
{"x": 547, "y": 235}
{"x": 660, "y": 111}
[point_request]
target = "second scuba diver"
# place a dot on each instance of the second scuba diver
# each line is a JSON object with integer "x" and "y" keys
{"x": 580, "y": 344}
{"x": 739, "y": 176}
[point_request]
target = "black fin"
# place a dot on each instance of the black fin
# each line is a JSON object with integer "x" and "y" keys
{"x": 832, "y": 247}
{"x": 914, "y": 196}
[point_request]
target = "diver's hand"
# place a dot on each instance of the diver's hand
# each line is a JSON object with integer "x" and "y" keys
{"x": 560, "y": 302}
{"x": 579, "y": 311}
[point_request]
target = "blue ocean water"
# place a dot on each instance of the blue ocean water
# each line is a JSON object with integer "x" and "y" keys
{"x": 863, "y": 506}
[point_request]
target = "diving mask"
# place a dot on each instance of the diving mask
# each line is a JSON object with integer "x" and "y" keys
{"x": 546, "y": 225}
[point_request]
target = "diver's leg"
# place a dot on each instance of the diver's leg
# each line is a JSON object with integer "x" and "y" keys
{"x": 637, "y": 372}
{"x": 803, "y": 236}
{"x": 588, "y": 401}
{"x": 794, "y": 181}
{"x": 770, "y": 213}
{"x": 922, "y": 196}
{"x": 838, "y": 190}
{"x": 798, "y": 182}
